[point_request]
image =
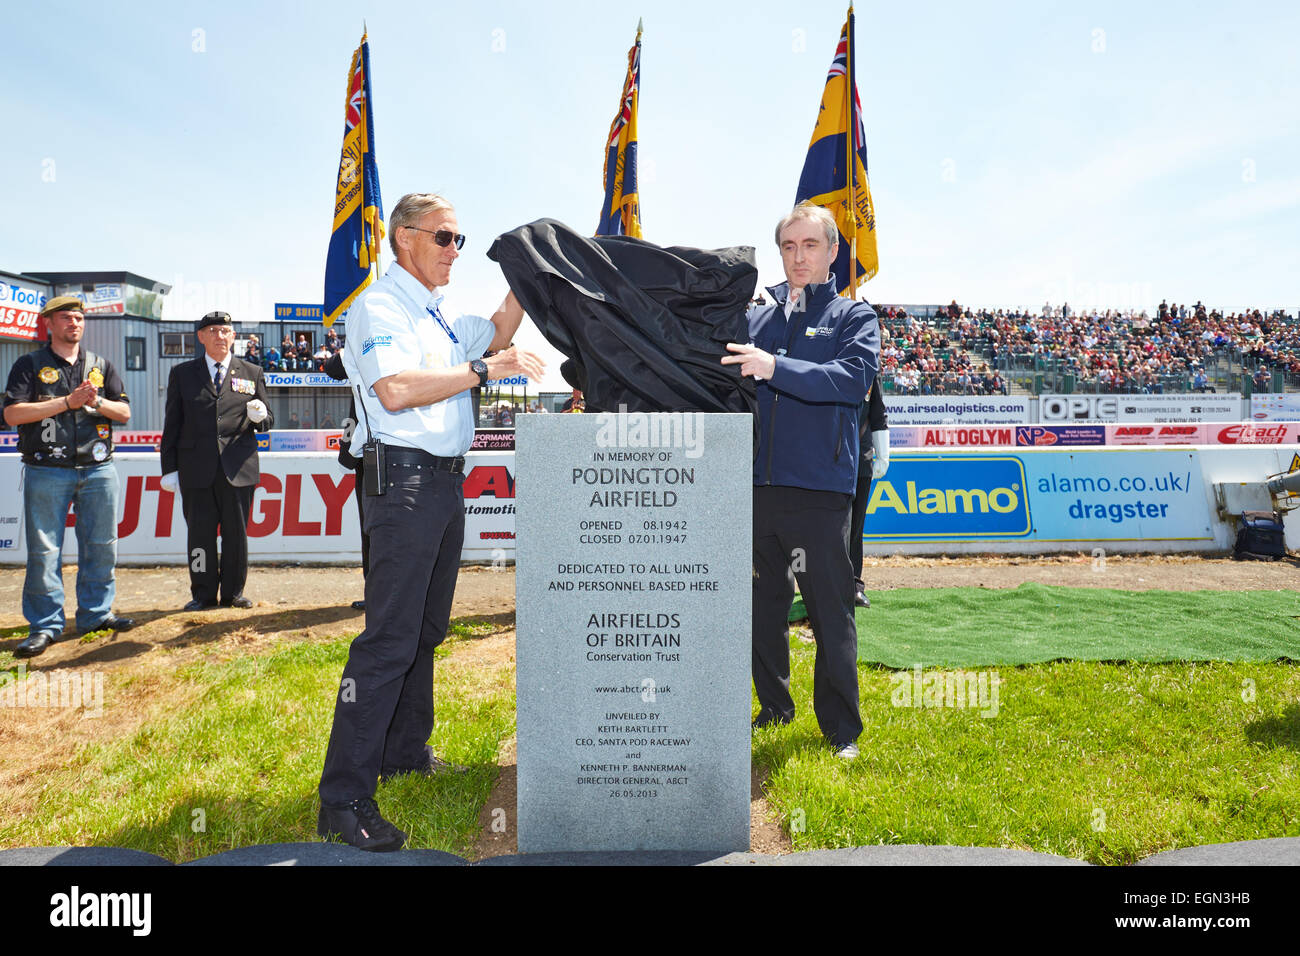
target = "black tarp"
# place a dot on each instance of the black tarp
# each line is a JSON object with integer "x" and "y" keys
{"x": 643, "y": 326}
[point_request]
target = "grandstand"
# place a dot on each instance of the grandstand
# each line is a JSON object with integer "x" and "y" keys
{"x": 956, "y": 350}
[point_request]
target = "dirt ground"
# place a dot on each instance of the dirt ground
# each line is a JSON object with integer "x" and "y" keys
{"x": 297, "y": 603}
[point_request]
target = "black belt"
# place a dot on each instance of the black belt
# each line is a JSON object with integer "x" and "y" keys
{"x": 415, "y": 458}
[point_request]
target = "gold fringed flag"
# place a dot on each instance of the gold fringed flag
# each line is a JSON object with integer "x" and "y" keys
{"x": 621, "y": 214}
{"x": 353, "y": 257}
{"x": 835, "y": 171}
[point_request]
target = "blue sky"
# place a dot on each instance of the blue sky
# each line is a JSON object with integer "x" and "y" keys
{"x": 1107, "y": 153}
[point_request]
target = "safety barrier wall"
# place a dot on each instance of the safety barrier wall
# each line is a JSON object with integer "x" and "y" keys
{"x": 931, "y": 501}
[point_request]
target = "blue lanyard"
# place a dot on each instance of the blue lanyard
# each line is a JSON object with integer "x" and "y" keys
{"x": 445, "y": 327}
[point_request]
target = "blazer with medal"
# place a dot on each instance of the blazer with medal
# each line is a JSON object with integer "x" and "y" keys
{"x": 202, "y": 428}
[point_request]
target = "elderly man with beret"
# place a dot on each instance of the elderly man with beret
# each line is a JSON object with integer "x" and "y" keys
{"x": 209, "y": 452}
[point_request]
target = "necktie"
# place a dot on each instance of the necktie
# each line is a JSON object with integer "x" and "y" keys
{"x": 216, "y": 379}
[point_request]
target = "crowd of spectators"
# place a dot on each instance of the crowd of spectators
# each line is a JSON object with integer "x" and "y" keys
{"x": 293, "y": 355}
{"x": 969, "y": 351}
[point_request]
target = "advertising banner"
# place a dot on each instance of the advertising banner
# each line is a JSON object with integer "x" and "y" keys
{"x": 302, "y": 511}
{"x": 974, "y": 436}
{"x": 1160, "y": 409}
{"x": 1046, "y": 436}
{"x": 122, "y": 441}
{"x": 20, "y": 311}
{"x": 1275, "y": 406}
{"x": 1250, "y": 433}
{"x": 302, "y": 380}
{"x": 1041, "y": 496}
{"x": 937, "y": 496}
{"x": 1107, "y": 496}
{"x": 958, "y": 409}
{"x": 1157, "y": 434}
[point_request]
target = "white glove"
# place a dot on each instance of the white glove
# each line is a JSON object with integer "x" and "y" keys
{"x": 880, "y": 453}
{"x": 256, "y": 411}
{"x": 171, "y": 482}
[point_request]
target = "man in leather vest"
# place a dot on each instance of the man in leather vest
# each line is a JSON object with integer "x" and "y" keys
{"x": 209, "y": 452}
{"x": 63, "y": 400}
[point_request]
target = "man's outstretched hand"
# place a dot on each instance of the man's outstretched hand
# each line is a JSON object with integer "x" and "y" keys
{"x": 752, "y": 360}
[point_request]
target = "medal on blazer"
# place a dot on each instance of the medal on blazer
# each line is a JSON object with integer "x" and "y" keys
{"x": 49, "y": 375}
{"x": 96, "y": 378}
{"x": 243, "y": 385}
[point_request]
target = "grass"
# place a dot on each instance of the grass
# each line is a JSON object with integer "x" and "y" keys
{"x": 240, "y": 764}
{"x": 1102, "y": 762}
{"x": 1106, "y": 762}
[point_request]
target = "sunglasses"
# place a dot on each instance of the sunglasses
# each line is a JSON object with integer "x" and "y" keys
{"x": 443, "y": 237}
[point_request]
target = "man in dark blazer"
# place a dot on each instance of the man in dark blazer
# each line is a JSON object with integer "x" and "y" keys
{"x": 214, "y": 405}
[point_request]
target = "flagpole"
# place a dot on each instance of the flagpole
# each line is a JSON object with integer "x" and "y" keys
{"x": 851, "y": 170}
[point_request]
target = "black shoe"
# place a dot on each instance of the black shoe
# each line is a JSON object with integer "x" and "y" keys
{"x": 34, "y": 645}
{"x": 110, "y": 623}
{"x": 358, "y": 605}
{"x": 861, "y": 599}
{"x": 766, "y": 718}
{"x": 239, "y": 601}
{"x": 433, "y": 767}
{"x": 361, "y": 825}
{"x": 197, "y": 605}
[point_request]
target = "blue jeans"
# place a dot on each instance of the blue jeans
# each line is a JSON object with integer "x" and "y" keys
{"x": 47, "y": 492}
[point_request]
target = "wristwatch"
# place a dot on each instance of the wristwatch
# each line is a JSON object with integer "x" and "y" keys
{"x": 479, "y": 368}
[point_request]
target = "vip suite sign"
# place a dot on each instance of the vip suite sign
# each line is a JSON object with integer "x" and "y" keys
{"x": 302, "y": 511}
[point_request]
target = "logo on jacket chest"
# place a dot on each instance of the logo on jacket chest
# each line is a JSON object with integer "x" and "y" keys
{"x": 818, "y": 331}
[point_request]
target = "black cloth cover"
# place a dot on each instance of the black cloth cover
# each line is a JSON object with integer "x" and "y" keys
{"x": 643, "y": 326}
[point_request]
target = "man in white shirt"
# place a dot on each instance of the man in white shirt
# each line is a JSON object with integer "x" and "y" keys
{"x": 412, "y": 369}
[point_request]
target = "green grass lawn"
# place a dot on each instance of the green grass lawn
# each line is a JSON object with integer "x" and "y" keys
{"x": 1103, "y": 762}
{"x": 239, "y": 765}
{"x": 1107, "y": 762}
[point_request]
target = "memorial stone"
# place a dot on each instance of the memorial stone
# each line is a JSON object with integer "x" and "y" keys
{"x": 633, "y": 552}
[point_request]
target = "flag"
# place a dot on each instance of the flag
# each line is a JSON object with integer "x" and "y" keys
{"x": 353, "y": 257}
{"x": 835, "y": 172}
{"x": 621, "y": 214}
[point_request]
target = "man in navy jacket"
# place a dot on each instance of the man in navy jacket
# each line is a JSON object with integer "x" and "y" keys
{"x": 813, "y": 355}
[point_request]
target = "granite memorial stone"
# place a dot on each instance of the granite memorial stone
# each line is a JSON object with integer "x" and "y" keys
{"x": 633, "y": 553}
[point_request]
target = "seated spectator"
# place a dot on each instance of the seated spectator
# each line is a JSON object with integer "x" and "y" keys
{"x": 272, "y": 359}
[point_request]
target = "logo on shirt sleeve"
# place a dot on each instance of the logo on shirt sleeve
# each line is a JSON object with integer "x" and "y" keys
{"x": 376, "y": 342}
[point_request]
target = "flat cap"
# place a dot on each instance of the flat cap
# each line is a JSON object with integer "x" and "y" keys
{"x": 63, "y": 303}
{"x": 213, "y": 318}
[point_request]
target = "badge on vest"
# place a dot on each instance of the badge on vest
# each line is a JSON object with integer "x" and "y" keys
{"x": 103, "y": 431}
{"x": 243, "y": 385}
{"x": 96, "y": 378}
{"x": 49, "y": 375}
{"x": 99, "y": 451}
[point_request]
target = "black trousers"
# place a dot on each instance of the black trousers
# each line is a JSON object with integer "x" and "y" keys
{"x": 383, "y": 715}
{"x": 359, "y": 493}
{"x": 859, "y": 518}
{"x": 222, "y": 505}
{"x": 806, "y": 531}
